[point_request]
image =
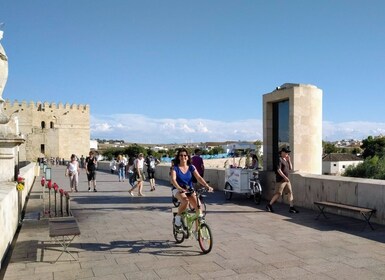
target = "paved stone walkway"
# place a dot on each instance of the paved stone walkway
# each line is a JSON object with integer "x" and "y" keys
{"x": 124, "y": 237}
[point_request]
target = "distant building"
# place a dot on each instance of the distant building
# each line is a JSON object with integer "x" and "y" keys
{"x": 336, "y": 163}
{"x": 51, "y": 130}
{"x": 232, "y": 147}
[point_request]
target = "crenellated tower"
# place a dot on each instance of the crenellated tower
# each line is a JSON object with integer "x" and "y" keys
{"x": 50, "y": 129}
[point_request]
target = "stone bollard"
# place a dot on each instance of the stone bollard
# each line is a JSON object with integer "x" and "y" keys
{"x": 68, "y": 207}
{"x": 61, "y": 191}
{"x": 55, "y": 188}
{"x": 49, "y": 185}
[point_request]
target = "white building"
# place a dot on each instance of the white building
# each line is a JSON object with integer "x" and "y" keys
{"x": 336, "y": 163}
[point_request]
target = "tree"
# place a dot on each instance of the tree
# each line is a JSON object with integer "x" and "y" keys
{"x": 372, "y": 167}
{"x": 373, "y": 146}
{"x": 329, "y": 148}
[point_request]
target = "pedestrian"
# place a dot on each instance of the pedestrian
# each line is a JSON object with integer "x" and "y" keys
{"x": 72, "y": 171}
{"x": 113, "y": 166}
{"x": 139, "y": 175}
{"x": 130, "y": 171}
{"x": 82, "y": 161}
{"x": 283, "y": 181}
{"x": 254, "y": 163}
{"x": 151, "y": 163}
{"x": 197, "y": 161}
{"x": 91, "y": 164}
{"x": 121, "y": 168}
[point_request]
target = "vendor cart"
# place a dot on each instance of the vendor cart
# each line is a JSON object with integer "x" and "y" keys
{"x": 242, "y": 181}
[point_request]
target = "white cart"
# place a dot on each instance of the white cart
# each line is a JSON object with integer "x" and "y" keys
{"x": 243, "y": 181}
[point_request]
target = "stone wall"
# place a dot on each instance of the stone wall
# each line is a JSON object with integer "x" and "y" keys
{"x": 307, "y": 188}
{"x": 9, "y": 203}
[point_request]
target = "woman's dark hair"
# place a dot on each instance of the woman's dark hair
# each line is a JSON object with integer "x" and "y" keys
{"x": 177, "y": 160}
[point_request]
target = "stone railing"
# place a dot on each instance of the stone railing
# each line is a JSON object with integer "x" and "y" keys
{"x": 307, "y": 188}
{"x": 9, "y": 205}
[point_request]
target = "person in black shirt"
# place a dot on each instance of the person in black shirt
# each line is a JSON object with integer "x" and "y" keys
{"x": 283, "y": 168}
{"x": 91, "y": 165}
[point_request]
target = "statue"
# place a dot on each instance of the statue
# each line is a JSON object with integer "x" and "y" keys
{"x": 3, "y": 78}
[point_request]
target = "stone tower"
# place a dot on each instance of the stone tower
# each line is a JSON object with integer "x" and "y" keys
{"x": 52, "y": 130}
{"x": 292, "y": 116}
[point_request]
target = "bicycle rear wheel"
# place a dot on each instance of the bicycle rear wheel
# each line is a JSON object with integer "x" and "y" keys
{"x": 205, "y": 239}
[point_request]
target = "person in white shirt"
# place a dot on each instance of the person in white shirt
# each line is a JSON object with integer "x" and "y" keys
{"x": 72, "y": 172}
{"x": 138, "y": 169}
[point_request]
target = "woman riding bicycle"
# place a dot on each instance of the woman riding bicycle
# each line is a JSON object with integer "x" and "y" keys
{"x": 181, "y": 177}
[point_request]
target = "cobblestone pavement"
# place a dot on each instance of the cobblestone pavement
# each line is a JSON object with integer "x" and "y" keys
{"x": 124, "y": 237}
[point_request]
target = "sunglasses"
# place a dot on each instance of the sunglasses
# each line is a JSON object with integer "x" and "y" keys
{"x": 184, "y": 155}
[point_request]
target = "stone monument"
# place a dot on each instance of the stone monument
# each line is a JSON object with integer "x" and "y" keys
{"x": 9, "y": 138}
{"x": 292, "y": 118}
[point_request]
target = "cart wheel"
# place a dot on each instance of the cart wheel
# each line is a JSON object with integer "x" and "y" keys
{"x": 228, "y": 195}
{"x": 258, "y": 193}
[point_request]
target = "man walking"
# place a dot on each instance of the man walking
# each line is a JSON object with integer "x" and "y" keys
{"x": 282, "y": 179}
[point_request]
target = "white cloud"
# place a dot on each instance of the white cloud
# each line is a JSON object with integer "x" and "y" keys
{"x": 142, "y": 129}
{"x": 351, "y": 130}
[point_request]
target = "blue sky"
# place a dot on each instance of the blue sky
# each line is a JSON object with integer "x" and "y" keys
{"x": 195, "y": 71}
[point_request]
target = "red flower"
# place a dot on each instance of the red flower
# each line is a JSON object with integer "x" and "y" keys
{"x": 61, "y": 191}
{"x": 49, "y": 185}
{"x": 42, "y": 181}
{"x": 20, "y": 179}
{"x": 55, "y": 187}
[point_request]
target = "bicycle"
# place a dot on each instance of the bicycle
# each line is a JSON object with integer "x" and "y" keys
{"x": 194, "y": 226}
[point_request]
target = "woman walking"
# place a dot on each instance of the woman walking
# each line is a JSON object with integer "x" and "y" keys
{"x": 73, "y": 172}
{"x": 138, "y": 170}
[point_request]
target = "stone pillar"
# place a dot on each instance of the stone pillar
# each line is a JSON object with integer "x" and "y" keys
{"x": 304, "y": 118}
{"x": 9, "y": 138}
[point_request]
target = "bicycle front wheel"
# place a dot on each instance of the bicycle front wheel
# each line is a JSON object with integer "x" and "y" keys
{"x": 205, "y": 238}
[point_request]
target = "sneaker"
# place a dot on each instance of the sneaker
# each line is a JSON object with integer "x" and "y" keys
{"x": 95, "y": 190}
{"x": 293, "y": 210}
{"x": 269, "y": 208}
{"x": 130, "y": 193}
{"x": 89, "y": 189}
{"x": 140, "y": 194}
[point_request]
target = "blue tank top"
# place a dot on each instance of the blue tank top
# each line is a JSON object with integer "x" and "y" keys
{"x": 184, "y": 180}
